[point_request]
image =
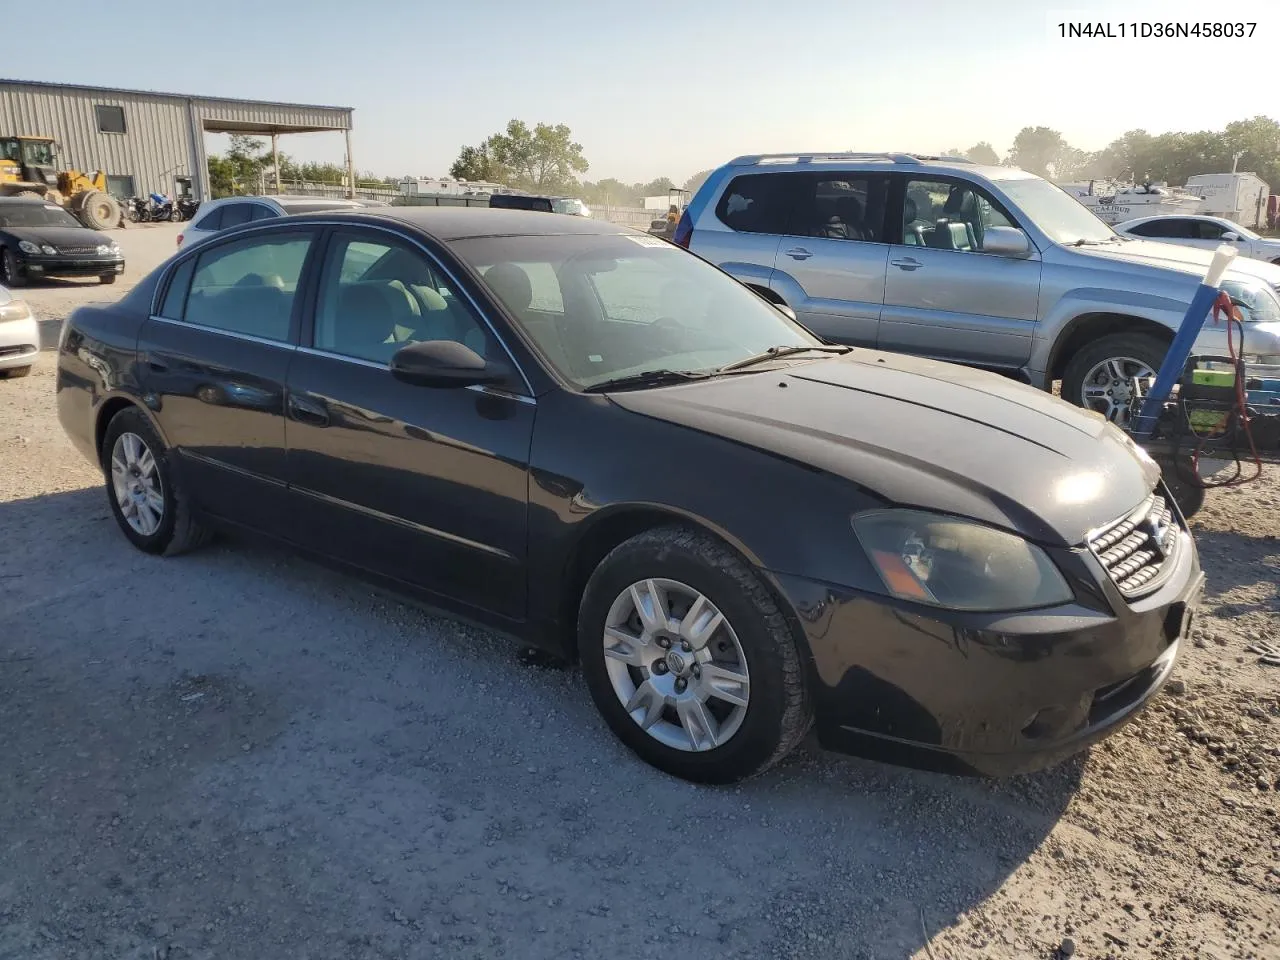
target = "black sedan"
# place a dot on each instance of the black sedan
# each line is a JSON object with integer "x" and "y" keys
{"x": 40, "y": 239}
{"x": 591, "y": 439}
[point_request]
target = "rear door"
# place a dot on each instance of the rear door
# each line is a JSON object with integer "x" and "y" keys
{"x": 944, "y": 297}
{"x": 830, "y": 266}
{"x": 214, "y": 361}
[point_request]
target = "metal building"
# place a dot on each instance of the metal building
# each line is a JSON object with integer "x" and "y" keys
{"x": 147, "y": 141}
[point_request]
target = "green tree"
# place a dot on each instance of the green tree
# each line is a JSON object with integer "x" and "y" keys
{"x": 1037, "y": 150}
{"x": 982, "y": 153}
{"x": 544, "y": 158}
{"x": 694, "y": 183}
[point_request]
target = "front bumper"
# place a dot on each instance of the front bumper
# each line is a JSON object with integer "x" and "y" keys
{"x": 994, "y": 694}
{"x": 19, "y": 342}
{"x": 1261, "y": 340}
{"x": 35, "y": 267}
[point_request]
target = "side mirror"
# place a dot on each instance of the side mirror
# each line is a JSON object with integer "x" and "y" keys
{"x": 444, "y": 363}
{"x": 1231, "y": 236}
{"x": 787, "y": 312}
{"x": 1006, "y": 242}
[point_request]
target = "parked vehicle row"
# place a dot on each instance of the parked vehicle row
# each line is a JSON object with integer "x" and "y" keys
{"x": 530, "y": 419}
{"x": 988, "y": 266}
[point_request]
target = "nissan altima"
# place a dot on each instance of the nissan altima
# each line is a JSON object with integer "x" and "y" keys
{"x": 599, "y": 443}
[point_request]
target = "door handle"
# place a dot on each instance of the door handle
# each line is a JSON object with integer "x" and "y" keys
{"x": 799, "y": 253}
{"x": 304, "y": 410}
{"x": 907, "y": 263}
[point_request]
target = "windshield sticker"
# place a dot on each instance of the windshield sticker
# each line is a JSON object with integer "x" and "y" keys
{"x": 647, "y": 241}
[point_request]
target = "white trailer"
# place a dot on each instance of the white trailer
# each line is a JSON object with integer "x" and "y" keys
{"x": 1241, "y": 197}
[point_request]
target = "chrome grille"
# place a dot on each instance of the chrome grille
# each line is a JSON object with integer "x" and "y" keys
{"x": 1137, "y": 550}
{"x": 78, "y": 251}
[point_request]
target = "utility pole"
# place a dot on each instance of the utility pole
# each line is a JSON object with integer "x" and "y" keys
{"x": 351, "y": 168}
{"x": 275, "y": 159}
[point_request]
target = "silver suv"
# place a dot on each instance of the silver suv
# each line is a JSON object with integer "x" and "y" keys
{"x": 988, "y": 266}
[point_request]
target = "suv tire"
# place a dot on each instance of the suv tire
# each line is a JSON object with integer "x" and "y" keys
{"x": 1126, "y": 353}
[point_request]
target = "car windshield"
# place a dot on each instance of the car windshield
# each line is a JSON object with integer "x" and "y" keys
{"x": 35, "y": 215}
{"x": 567, "y": 206}
{"x": 603, "y": 307}
{"x": 1060, "y": 216}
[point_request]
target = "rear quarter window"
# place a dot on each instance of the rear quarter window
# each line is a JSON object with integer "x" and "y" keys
{"x": 210, "y": 221}
{"x": 755, "y": 203}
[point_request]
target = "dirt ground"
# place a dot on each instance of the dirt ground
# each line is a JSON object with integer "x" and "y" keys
{"x": 236, "y": 754}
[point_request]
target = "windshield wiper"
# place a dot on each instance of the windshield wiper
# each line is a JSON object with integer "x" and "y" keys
{"x": 773, "y": 353}
{"x": 648, "y": 378}
{"x": 1082, "y": 242}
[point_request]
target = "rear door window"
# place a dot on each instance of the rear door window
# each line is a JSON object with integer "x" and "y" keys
{"x": 261, "y": 211}
{"x": 248, "y": 286}
{"x": 840, "y": 206}
{"x": 757, "y": 202}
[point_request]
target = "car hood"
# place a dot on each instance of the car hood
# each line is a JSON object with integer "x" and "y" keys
{"x": 1192, "y": 261}
{"x": 59, "y": 236}
{"x": 917, "y": 432}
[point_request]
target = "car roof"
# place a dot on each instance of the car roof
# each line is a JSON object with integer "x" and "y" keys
{"x": 457, "y": 223}
{"x": 30, "y": 201}
{"x": 896, "y": 162}
{"x": 1169, "y": 216}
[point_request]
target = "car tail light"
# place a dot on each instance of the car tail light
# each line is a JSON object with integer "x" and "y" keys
{"x": 179, "y": 239}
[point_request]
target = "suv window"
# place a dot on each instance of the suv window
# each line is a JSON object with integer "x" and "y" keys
{"x": 949, "y": 215}
{"x": 839, "y": 206}
{"x": 377, "y": 295}
{"x": 246, "y": 286}
{"x": 756, "y": 203}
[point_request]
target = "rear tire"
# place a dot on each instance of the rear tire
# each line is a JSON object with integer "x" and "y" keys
{"x": 130, "y": 443}
{"x": 10, "y": 275}
{"x": 1126, "y": 350}
{"x": 14, "y": 373}
{"x": 99, "y": 210}
{"x": 753, "y": 643}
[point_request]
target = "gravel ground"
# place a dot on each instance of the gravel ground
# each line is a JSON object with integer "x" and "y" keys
{"x": 238, "y": 754}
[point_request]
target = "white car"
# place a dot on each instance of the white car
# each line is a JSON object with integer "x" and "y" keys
{"x": 19, "y": 336}
{"x": 1205, "y": 232}
{"x": 218, "y": 215}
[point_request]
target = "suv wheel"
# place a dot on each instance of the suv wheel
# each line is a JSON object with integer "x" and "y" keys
{"x": 1101, "y": 376}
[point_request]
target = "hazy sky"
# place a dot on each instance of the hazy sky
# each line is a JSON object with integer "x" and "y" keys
{"x": 669, "y": 88}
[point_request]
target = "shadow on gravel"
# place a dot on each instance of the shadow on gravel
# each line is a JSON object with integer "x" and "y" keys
{"x": 1239, "y": 559}
{"x": 210, "y": 753}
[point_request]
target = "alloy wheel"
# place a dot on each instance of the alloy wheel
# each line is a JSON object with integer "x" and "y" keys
{"x": 136, "y": 484}
{"x": 1109, "y": 387}
{"x": 676, "y": 665}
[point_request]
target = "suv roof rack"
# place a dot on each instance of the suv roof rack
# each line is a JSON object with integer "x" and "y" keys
{"x": 802, "y": 157}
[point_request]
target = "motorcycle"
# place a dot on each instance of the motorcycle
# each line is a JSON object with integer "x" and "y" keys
{"x": 186, "y": 208}
{"x": 135, "y": 209}
{"x": 162, "y": 207}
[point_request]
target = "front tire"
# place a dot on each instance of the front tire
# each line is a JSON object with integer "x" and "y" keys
{"x": 10, "y": 275}
{"x": 689, "y": 658}
{"x": 146, "y": 496}
{"x": 107, "y": 278}
{"x": 14, "y": 373}
{"x": 1101, "y": 375}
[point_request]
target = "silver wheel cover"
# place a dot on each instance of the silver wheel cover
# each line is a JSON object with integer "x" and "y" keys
{"x": 1109, "y": 387}
{"x": 676, "y": 665}
{"x": 136, "y": 483}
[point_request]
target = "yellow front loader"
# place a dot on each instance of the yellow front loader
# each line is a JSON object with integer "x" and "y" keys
{"x": 28, "y": 168}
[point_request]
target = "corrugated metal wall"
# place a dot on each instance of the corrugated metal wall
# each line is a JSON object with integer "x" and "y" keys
{"x": 155, "y": 148}
{"x": 163, "y": 137}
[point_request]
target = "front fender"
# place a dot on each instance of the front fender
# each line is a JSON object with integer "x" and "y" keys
{"x": 1072, "y": 309}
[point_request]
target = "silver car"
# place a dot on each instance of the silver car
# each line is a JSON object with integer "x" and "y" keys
{"x": 19, "y": 336}
{"x": 218, "y": 215}
{"x": 988, "y": 266}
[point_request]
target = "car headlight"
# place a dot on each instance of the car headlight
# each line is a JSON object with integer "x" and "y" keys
{"x": 48, "y": 249}
{"x": 105, "y": 249}
{"x": 14, "y": 310}
{"x": 26, "y": 246}
{"x": 958, "y": 564}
